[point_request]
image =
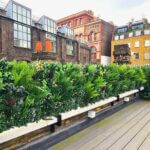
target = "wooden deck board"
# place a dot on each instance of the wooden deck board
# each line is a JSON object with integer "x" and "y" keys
{"x": 146, "y": 144}
{"x": 102, "y": 126}
{"x": 120, "y": 131}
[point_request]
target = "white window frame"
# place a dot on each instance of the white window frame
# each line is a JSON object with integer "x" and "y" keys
{"x": 147, "y": 43}
{"x": 137, "y": 44}
{"x": 116, "y": 37}
{"x": 138, "y": 33}
{"x": 131, "y": 34}
{"x": 147, "y": 32}
{"x": 122, "y": 37}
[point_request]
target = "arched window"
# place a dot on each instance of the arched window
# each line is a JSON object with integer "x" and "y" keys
{"x": 93, "y": 53}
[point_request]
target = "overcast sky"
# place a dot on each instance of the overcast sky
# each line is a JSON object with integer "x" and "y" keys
{"x": 118, "y": 11}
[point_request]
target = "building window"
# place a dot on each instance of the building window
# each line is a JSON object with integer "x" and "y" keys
{"x": 122, "y": 30}
{"x": 137, "y": 44}
{"x": 89, "y": 20}
{"x": 95, "y": 36}
{"x": 136, "y": 56}
{"x": 147, "y": 55}
{"x": 69, "y": 46}
{"x": 50, "y": 25}
{"x": 147, "y": 32}
{"x": 116, "y": 37}
{"x": 52, "y": 38}
{"x": 147, "y": 43}
{"x": 121, "y": 37}
{"x": 76, "y": 22}
{"x": 131, "y": 34}
{"x": 22, "y": 36}
{"x": 137, "y": 33}
{"x": 21, "y": 14}
{"x": 81, "y": 21}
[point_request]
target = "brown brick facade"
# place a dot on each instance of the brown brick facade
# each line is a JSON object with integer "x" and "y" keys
{"x": 81, "y": 53}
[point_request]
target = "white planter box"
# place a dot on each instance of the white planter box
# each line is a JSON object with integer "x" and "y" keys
{"x": 128, "y": 93}
{"x": 17, "y": 132}
{"x": 79, "y": 111}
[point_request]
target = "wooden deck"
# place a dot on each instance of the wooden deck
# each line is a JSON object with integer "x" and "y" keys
{"x": 128, "y": 129}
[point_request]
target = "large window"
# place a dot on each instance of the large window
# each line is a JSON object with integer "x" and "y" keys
{"x": 121, "y": 37}
{"x": 147, "y": 43}
{"x": 136, "y": 56}
{"x": 137, "y": 33}
{"x": 131, "y": 34}
{"x": 116, "y": 37}
{"x": 137, "y": 44}
{"x": 52, "y": 38}
{"x": 69, "y": 47}
{"x": 147, "y": 55}
{"x": 50, "y": 25}
{"x": 21, "y": 14}
{"x": 122, "y": 30}
{"x": 147, "y": 32}
{"x": 137, "y": 26}
{"x": 22, "y": 36}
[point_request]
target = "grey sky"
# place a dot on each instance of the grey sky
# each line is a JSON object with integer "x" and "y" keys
{"x": 118, "y": 11}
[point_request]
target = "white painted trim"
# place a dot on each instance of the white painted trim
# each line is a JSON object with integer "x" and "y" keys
{"x": 17, "y": 132}
{"x": 78, "y": 111}
{"x": 128, "y": 93}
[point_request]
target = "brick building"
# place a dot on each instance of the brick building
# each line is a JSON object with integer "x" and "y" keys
{"x": 131, "y": 44}
{"x": 94, "y": 31}
{"x": 23, "y": 37}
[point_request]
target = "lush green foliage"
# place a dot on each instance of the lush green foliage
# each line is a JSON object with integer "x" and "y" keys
{"x": 34, "y": 91}
{"x": 146, "y": 94}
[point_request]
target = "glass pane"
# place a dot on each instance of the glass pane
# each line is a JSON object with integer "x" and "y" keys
{"x": 28, "y": 21}
{"x": 24, "y": 20}
{"x": 20, "y": 35}
{"x": 15, "y": 26}
{"x": 28, "y": 14}
{"x": 24, "y": 12}
{"x": 20, "y": 28}
{"x": 15, "y": 34}
{"x": 25, "y": 36}
{"x": 29, "y": 37}
{"x": 25, "y": 29}
{"x": 29, "y": 31}
{"x": 19, "y": 18}
{"x": 14, "y": 8}
{"x": 14, "y": 16}
{"x": 19, "y": 10}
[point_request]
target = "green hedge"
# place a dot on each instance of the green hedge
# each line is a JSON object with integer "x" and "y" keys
{"x": 33, "y": 91}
